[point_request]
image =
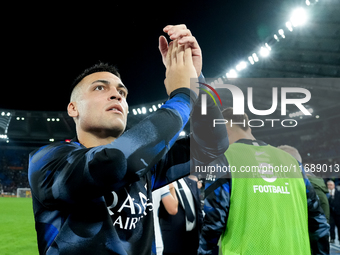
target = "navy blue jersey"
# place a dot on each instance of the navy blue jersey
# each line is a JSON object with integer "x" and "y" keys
{"x": 98, "y": 200}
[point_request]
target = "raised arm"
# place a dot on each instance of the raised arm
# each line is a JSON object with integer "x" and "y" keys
{"x": 205, "y": 143}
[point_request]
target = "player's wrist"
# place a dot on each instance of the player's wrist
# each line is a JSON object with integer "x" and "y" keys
{"x": 187, "y": 91}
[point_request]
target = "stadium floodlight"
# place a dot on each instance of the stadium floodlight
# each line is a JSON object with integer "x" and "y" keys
{"x": 264, "y": 52}
{"x": 276, "y": 37}
{"x": 3, "y": 136}
{"x": 300, "y": 113}
{"x": 154, "y": 107}
{"x": 298, "y": 17}
{"x": 139, "y": 111}
{"x": 251, "y": 60}
{"x": 231, "y": 74}
{"x": 282, "y": 33}
{"x": 3, "y": 114}
{"x": 134, "y": 111}
{"x": 255, "y": 57}
{"x": 267, "y": 46}
{"x": 242, "y": 65}
{"x": 143, "y": 110}
{"x": 317, "y": 116}
{"x": 289, "y": 26}
{"x": 182, "y": 133}
{"x": 150, "y": 110}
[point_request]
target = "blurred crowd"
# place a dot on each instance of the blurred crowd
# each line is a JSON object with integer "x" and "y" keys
{"x": 13, "y": 169}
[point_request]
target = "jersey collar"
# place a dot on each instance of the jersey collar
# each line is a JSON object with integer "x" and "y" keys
{"x": 252, "y": 142}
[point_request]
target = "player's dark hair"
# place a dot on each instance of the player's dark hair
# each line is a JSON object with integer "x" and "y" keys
{"x": 228, "y": 115}
{"x": 100, "y": 67}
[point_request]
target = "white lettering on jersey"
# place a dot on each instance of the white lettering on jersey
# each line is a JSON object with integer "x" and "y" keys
{"x": 130, "y": 207}
{"x": 271, "y": 189}
{"x": 128, "y": 203}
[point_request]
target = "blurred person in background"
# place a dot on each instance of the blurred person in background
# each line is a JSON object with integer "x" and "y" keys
{"x": 181, "y": 232}
{"x": 200, "y": 189}
{"x": 334, "y": 206}
{"x": 317, "y": 182}
{"x": 167, "y": 195}
{"x": 263, "y": 211}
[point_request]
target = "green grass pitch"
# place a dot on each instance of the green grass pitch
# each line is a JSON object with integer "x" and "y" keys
{"x": 17, "y": 232}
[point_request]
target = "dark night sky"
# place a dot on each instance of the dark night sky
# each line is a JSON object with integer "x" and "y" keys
{"x": 47, "y": 46}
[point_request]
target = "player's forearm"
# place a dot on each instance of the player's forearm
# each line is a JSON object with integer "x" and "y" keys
{"x": 205, "y": 144}
{"x": 209, "y": 142}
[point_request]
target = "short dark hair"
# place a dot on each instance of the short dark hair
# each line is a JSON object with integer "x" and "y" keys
{"x": 100, "y": 67}
{"x": 228, "y": 115}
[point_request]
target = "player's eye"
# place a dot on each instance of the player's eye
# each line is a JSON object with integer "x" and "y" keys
{"x": 122, "y": 92}
{"x": 99, "y": 87}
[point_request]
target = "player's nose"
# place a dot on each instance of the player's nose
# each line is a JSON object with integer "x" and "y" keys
{"x": 114, "y": 95}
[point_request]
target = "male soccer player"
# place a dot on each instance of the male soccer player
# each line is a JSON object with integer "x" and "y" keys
{"x": 93, "y": 195}
{"x": 259, "y": 206}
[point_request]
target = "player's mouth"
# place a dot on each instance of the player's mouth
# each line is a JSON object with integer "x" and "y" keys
{"x": 116, "y": 108}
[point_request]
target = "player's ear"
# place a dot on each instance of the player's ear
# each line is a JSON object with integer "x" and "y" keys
{"x": 72, "y": 109}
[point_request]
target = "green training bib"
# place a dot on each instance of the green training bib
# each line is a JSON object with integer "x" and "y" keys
{"x": 268, "y": 205}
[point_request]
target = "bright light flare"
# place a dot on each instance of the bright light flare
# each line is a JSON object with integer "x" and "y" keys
{"x": 231, "y": 74}
{"x": 251, "y": 60}
{"x": 298, "y": 17}
{"x": 255, "y": 57}
{"x": 282, "y": 33}
{"x": 289, "y": 26}
{"x": 264, "y": 52}
{"x": 242, "y": 65}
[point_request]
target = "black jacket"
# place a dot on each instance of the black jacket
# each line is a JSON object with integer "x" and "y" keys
{"x": 334, "y": 204}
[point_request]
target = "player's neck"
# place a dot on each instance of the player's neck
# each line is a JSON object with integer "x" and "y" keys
{"x": 240, "y": 134}
{"x": 90, "y": 140}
